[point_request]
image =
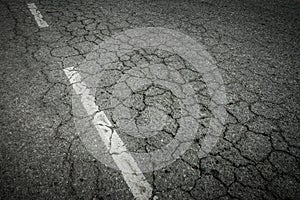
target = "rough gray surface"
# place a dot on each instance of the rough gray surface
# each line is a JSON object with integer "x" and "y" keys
{"x": 256, "y": 46}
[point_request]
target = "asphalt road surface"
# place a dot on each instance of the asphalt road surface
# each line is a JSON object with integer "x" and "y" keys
{"x": 150, "y": 99}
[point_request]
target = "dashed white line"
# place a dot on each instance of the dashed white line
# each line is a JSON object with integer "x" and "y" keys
{"x": 37, "y": 15}
{"x": 132, "y": 174}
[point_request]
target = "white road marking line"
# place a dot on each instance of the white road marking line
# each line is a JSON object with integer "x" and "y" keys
{"x": 132, "y": 174}
{"x": 37, "y": 15}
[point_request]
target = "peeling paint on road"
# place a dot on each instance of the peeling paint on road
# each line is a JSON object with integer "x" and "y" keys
{"x": 133, "y": 176}
{"x": 37, "y": 15}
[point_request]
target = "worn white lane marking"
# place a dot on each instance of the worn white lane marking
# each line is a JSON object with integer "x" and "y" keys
{"x": 37, "y": 15}
{"x": 132, "y": 174}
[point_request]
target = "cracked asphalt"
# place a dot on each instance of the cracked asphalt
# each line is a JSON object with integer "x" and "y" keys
{"x": 255, "y": 45}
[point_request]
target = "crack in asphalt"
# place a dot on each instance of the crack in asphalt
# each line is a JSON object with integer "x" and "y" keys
{"x": 255, "y": 48}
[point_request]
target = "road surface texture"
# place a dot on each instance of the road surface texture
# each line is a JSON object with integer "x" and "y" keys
{"x": 150, "y": 95}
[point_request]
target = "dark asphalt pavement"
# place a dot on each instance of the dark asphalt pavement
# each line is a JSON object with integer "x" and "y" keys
{"x": 255, "y": 45}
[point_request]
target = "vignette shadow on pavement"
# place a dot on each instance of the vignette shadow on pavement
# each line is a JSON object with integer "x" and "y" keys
{"x": 255, "y": 47}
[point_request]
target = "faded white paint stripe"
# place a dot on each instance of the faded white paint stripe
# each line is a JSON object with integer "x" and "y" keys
{"x": 132, "y": 174}
{"x": 37, "y": 15}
